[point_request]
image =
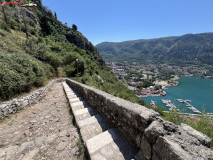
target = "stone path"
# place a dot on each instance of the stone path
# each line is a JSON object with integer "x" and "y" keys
{"x": 102, "y": 142}
{"x": 43, "y": 131}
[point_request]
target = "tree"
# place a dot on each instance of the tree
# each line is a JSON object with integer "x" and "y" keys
{"x": 74, "y": 27}
{"x": 24, "y": 15}
{"x": 45, "y": 26}
{"x": 5, "y": 16}
{"x": 55, "y": 14}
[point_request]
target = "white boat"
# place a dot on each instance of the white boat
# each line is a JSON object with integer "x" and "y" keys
{"x": 187, "y": 100}
{"x": 153, "y": 103}
{"x": 180, "y": 100}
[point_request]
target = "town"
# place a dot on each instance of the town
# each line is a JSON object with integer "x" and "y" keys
{"x": 150, "y": 79}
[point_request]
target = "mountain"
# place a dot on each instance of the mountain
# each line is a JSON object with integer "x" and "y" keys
{"x": 36, "y": 47}
{"x": 189, "y": 48}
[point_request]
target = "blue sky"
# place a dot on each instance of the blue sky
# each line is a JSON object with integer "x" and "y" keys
{"x": 121, "y": 20}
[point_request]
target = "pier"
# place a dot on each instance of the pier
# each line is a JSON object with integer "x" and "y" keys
{"x": 188, "y": 105}
{"x": 169, "y": 104}
{"x": 153, "y": 103}
{"x": 192, "y": 108}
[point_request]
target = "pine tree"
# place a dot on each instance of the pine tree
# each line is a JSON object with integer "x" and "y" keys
{"x": 55, "y": 15}
{"x": 74, "y": 27}
{"x": 5, "y": 16}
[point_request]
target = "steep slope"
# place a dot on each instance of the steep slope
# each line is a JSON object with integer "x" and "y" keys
{"x": 35, "y": 47}
{"x": 190, "y": 48}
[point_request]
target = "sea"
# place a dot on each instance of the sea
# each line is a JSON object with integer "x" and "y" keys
{"x": 198, "y": 90}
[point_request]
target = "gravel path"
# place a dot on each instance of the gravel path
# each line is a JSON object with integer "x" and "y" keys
{"x": 42, "y": 131}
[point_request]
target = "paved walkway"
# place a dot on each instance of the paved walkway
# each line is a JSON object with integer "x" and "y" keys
{"x": 102, "y": 142}
{"x": 41, "y": 132}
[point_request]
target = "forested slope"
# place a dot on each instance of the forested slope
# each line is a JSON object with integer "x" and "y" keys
{"x": 186, "y": 49}
{"x": 35, "y": 47}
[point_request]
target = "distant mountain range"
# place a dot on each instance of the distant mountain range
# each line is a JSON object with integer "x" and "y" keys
{"x": 186, "y": 49}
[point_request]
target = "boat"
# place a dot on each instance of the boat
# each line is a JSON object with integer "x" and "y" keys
{"x": 169, "y": 104}
{"x": 188, "y": 105}
{"x": 180, "y": 100}
{"x": 187, "y": 100}
{"x": 153, "y": 102}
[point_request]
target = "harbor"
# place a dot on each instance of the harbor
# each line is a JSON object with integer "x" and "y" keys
{"x": 169, "y": 104}
{"x": 188, "y": 105}
{"x": 191, "y": 96}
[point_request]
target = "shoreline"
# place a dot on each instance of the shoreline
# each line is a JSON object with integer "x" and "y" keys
{"x": 192, "y": 115}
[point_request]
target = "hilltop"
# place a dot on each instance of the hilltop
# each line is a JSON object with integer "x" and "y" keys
{"x": 36, "y": 47}
{"x": 181, "y": 50}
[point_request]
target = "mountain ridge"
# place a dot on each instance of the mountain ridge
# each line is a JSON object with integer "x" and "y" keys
{"x": 162, "y": 49}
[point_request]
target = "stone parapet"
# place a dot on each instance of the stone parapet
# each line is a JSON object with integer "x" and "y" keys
{"x": 11, "y": 107}
{"x": 153, "y": 137}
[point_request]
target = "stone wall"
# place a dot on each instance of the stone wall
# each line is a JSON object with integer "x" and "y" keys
{"x": 153, "y": 137}
{"x": 11, "y": 107}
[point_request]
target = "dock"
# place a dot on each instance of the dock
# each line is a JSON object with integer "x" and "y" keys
{"x": 169, "y": 104}
{"x": 153, "y": 103}
{"x": 188, "y": 105}
{"x": 192, "y": 108}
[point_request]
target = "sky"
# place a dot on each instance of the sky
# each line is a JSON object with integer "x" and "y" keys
{"x": 121, "y": 20}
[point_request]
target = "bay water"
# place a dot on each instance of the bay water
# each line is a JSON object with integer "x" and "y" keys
{"x": 198, "y": 90}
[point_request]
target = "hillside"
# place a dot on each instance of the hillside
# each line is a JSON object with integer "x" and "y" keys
{"x": 36, "y": 47}
{"x": 190, "y": 48}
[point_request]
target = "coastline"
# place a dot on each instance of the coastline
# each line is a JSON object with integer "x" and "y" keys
{"x": 192, "y": 115}
{"x": 198, "y": 90}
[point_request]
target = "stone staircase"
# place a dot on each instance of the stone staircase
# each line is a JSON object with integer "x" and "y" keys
{"x": 102, "y": 142}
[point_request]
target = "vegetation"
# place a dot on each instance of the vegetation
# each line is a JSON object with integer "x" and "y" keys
{"x": 145, "y": 84}
{"x": 187, "y": 49}
{"x": 37, "y": 47}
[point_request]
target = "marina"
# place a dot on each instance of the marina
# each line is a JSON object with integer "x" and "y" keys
{"x": 153, "y": 103}
{"x": 169, "y": 104}
{"x": 194, "y": 92}
{"x": 188, "y": 105}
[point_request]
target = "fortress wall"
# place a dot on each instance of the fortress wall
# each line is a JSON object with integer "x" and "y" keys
{"x": 153, "y": 137}
{"x": 11, "y": 107}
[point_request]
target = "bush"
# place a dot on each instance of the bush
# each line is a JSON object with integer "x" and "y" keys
{"x": 19, "y": 73}
{"x": 70, "y": 70}
{"x": 4, "y": 26}
{"x": 54, "y": 60}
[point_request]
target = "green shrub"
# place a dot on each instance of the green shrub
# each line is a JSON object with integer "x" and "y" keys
{"x": 13, "y": 24}
{"x": 4, "y": 26}
{"x": 19, "y": 73}
{"x": 54, "y": 60}
{"x": 70, "y": 70}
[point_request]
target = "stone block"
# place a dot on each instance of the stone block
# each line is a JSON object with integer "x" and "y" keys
{"x": 154, "y": 130}
{"x": 168, "y": 150}
{"x": 202, "y": 138}
{"x": 146, "y": 148}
